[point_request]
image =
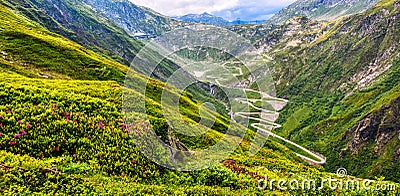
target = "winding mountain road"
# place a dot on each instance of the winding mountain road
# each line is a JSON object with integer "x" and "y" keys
{"x": 266, "y": 124}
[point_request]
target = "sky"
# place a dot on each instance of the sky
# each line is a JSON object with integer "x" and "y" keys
{"x": 227, "y": 9}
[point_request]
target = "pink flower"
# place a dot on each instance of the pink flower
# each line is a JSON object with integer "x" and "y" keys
{"x": 88, "y": 137}
{"x": 101, "y": 126}
{"x": 12, "y": 143}
{"x": 1, "y": 117}
{"x": 101, "y": 156}
{"x": 19, "y": 122}
{"x": 28, "y": 125}
{"x": 57, "y": 148}
{"x": 17, "y": 136}
{"x": 38, "y": 124}
{"x": 67, "y": 120}
{"x": 1, "y": 134}
{"x": 134, "y": 161}
{"x": 74, "y": 121}
{"x": 122, "y": 175}
{"x": 23, "y": 132}
{"x": 1, "y": 124}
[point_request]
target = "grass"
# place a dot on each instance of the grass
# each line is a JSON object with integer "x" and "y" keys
{"x": 62, "y": 144}
{"x": 32, "y": 50}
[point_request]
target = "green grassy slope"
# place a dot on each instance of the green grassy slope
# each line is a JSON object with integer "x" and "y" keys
{"x": 32, "y": 50}
{"x": 68, "y": 137}
{"x": 81, "y": 24}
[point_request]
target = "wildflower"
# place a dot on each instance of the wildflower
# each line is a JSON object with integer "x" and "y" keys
{"x": 23, "y": 132}
{"x": 1, "y": 124}
{"x": 28, "y": 125}
{"x": 122, "y": 175}
{"x": 17, "y": 136}
{"x": 101, "y": 156}
{"x": 74, "y": 121}
{"x": 1, "y": 134}
{"x": 101, "y": 126}
{"x": 57, "y": 148}
{"x": 12, "y": 143}
{"x": 133, "y": 161}
{"x": 88, "y": 137}
{"x": 19, "y": 122}
{"x": 1, "y": 117}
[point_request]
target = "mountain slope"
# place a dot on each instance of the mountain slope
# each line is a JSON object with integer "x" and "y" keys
{"x": 321, "y": 9}
{"x": 342, "y": 82}
{"x": 133, "y": 18}
{"x": 32, "y": 50}
{"x": 80, "y": 23}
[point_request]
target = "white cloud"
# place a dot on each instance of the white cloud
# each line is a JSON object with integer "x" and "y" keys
{"x": 182, "y": 7}
{"x": 228, "y": 9}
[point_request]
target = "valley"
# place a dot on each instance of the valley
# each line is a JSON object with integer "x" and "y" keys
{"x": 198, "y": 109}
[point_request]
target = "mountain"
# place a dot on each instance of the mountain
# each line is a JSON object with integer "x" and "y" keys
{"x": 82, "y": 23}
{"x": 133, "y": 18}
{"x": 342, "y": 82}
{"x": 207, "y": 18}
{"x": 204, "y": 18}
{"x": 246, "y": 22}
{"x": 63, "y": 129}
{"x": 321, "y": 9}
{"x": 61, "y": 124}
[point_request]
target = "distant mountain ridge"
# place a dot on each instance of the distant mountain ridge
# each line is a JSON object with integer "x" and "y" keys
{"x": 214, "y": 20}
{"x": 204, "y": 18}
{"x": 321, "y": 9}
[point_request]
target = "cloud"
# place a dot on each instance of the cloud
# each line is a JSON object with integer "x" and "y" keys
{"x": 182, "y": 7}
{"x": 228, "y": 9}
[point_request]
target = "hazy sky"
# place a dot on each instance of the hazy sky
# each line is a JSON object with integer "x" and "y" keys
{"x": 228, "y": 9}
